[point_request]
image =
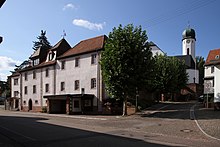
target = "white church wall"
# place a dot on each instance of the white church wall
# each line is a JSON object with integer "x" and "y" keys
{"x": 192, "y": 73}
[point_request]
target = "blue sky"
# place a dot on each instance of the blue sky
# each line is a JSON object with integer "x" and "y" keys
{"x": 164, "y": 21}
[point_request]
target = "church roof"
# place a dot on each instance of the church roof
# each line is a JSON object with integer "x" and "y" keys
{"x": 213, "y": 57}
{"x": 189, "y": 62}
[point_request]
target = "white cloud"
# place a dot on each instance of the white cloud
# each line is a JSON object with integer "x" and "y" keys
{"x": 88, "y": 25}
{"x": 69, "y": 6}
{"x": 6, "y": 65}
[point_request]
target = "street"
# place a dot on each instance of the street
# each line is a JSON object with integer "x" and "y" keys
{"x": 167, "y": 124}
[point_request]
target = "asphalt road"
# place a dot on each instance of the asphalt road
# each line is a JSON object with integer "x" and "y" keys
{"x": 169, "y": 126}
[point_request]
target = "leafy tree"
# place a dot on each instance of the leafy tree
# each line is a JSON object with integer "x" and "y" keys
{"x": 169, "y": 74}
{"x": 126, "y": 62}
{"x": 42, "y": 41}
{"x": 200, "y": 61}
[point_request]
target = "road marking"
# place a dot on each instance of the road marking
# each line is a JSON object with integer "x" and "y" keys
{"x": 18, "y": 133}
{"x": 200, "y": 128}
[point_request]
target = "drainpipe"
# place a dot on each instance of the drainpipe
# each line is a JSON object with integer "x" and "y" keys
{"x": 99, "y": 89}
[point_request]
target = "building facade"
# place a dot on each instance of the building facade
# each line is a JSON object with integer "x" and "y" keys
{"x": 212, "y": 75}
{"x": 62, "y": 79}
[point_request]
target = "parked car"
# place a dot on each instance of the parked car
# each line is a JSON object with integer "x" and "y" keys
{"x": 201, "y": 98}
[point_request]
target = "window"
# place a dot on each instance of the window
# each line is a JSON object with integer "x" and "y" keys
{"x": 16, "y": 81}
{"x": 25, "y": 90}
{"x": 24, "y": 102}
{"x": 47, "y": 72}
{"x": 62, "y": 86}
{"x": 63, "y": 64}
{"x": 51, "y": 56}
{"x": 25, "y": 77}
{"x": 77, "y": 62}
{"x": 93, "y": 83}
{"x": 217, "y": 57}
{"x": 187, "y": 51}
{"x": 16, "y": 93}
{"x": 36, "y": 101}
{"x": 34, "y": 74}
{"x": 34, "y": 88}
{"x": 46, "y": 87}
{"x": 213, "y": 83}
{"x": 212, "y": 69}
{"x": 35, "y": 62}
{"x": 77, "y": 85}
{"x": 76, "y": 103}
{"x": 93, "y": 59}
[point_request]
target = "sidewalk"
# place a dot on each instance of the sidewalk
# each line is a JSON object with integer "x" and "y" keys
{"x": 208, "y": 120}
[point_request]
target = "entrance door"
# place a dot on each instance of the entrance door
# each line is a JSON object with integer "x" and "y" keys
{"x": 76, "y": 105}
{"x": 29, "y": 105}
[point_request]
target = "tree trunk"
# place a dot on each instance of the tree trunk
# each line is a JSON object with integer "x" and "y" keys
{"x": 125, "y": 107}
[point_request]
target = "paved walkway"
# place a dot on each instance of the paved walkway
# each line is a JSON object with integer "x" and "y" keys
{"x": 208, "y": 120}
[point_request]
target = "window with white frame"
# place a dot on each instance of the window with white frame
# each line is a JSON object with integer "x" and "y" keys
{"x": 93, "y": 83}
{"x": 16, "y": 81}
{"x": 93, "y": 59}
{"x": 16, "y": 93}
{"x": 35, "y": 62}
{"x": 76, "y": 85}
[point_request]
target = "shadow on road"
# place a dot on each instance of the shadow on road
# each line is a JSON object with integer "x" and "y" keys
{"x": 37, "y": 132}
{"x": 206, "y": 113}
{"x": 169, "y": 110}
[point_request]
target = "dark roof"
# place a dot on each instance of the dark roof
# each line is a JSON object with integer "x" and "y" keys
{"x": 2, "y": 2}
{"x": 213, "y": 57}
{"x": 189, "y": 62}
{"x": 86, "y": 46}
{"x": 43, "y": 64}
{"x": 189, "y": 33}
{"x": 15, "y": 74}
{"x": 61, "y": 47}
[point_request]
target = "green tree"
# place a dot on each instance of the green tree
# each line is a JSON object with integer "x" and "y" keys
{"x": 126, "y": 62}
{"x": 169, "y": 75}
{"x": 42, "y": 41}
{"x": 200, "y": 61}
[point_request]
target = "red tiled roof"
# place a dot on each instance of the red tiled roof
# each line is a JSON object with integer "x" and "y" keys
{"x": 211, "y": 59}
{"x": 86, "y": 46}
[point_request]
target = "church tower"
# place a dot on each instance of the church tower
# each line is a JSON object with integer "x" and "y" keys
{"x": 188, "y": 42}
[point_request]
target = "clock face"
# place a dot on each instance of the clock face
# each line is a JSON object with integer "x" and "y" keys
{"x": 187, "y": 41}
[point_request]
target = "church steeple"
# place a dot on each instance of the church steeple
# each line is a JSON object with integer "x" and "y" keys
{"x": 188, "y": 42}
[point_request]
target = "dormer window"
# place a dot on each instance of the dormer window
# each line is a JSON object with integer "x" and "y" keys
{"x": 51, "y": 56}
{"x": 35, "y": 62}
{"x": 217, "y": 57}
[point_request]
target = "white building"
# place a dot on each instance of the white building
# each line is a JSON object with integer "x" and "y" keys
{"x": 155, "y": 49}
{"x": 63, "y": 79}
{"x": 212, "y": 75}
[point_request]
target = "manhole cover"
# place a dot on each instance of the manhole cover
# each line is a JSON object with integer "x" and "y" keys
{"x": 186, "y": 130}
